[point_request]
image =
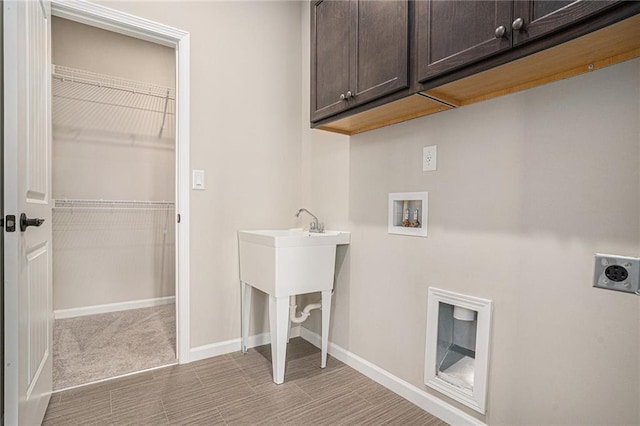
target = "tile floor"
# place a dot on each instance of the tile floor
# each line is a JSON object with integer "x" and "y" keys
{"x": 237, "y": 389}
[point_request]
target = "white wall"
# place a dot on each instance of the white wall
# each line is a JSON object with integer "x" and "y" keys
{"x": 245, "y": 135}
{"x": 529, "y": 186}
{"x": 93, "y": 49}
{"x": 105, "y": 151}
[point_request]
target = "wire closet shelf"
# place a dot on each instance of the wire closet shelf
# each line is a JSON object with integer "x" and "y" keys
{"x": 104, "y": 103}
{"x": 92, "y": 205}
{"x": 67, "y": 74}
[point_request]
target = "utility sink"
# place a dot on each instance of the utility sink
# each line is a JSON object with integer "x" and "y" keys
{"x": 294, "y": 237}
{"x": 288, "y": 262}
{"x": 284, "y": 263}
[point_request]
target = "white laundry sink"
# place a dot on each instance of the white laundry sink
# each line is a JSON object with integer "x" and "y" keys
{"x": 288, "y": 262}
{"x": 296, "y": 237}
{"x": 283, "y": 263}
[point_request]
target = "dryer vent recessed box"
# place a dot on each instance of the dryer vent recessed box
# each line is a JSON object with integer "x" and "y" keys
{"x": 618, "y": 273}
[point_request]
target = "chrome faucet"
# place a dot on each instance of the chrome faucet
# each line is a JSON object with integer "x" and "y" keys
{"x": 314, "y": 226}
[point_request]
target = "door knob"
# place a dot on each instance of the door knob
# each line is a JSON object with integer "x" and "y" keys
{"x": 349, "y": 94}
{"x": 501, "y": 31}
{"x": 517, "y": 24}
{"x": 25, "y": 222}
{"x": 342, "y": 97}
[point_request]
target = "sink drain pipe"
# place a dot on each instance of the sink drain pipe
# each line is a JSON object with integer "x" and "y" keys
{"x": 305, "y": 312}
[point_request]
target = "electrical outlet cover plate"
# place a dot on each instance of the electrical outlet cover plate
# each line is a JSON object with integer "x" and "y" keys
{"x": 429, "y": 157}
{"x": 618, "y": 273}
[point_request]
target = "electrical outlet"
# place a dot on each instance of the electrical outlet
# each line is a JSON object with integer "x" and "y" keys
{"x": 429, "y": 158}
{"x": 618, "y": 273}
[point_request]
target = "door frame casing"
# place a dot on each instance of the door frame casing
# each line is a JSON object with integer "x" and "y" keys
{"x": 119, "y": 22}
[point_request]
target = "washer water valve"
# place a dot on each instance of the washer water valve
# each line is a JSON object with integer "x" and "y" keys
{"x": 618, "y": 273}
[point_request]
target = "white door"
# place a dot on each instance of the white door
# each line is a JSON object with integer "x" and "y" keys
{"x": 27, "y": 180}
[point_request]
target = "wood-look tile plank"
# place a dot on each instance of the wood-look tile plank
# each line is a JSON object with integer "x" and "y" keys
{"x": 157, "y": 419}
{"x": 107, "y": 385}
{"x": 325, "y": 385}
{"x": 55, "y": 398}
{"x": 228, "y": 391}
{"x": 83, "y": 393}
{"x": 168, "y": 384}
{"x": 309, "y": 366}
{"x": 83, "y": 412}
{"x": 397, "y": 412}
{"x": 413, "y": 415}
{"x": 208, "y": 417}
{"x": 185, "y": 403}
{"x": 263, "y": 405}
{"x": 254, "y": 368}
{"x": 250, "y": 359}
{"x": 217, "y": 371}
{"x": 375, "y": 393}
{"x": 171, "y": 370}
{"x": 296, "y": 348}
{"x": 257, "y": 370}
{"x": 78, "y": 420}
{"x": 326, "y": 411}
{"x": 77, "y": 407}
{"x": 137, "y": 410}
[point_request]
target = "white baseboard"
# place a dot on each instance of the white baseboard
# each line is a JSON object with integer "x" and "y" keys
{"x": 112, "y": 307}
{"x": 413, "y": 394}
{"x": 234, "y": 345}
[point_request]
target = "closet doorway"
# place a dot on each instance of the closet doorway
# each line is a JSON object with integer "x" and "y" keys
{"x": 114, "y": 216}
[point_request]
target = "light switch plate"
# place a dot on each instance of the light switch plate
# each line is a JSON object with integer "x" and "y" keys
{"x": 429, "y": 154}
{"x": 198, "y": 179}
{"x": 620, "y": 273}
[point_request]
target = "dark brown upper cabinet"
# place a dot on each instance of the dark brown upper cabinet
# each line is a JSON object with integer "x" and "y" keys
{"x": 532, "y": 19}
{"x": 452, "y": 34}
{"x": 359, "y": 52}
{"x": 455, "y": 53}
{"x": 330, "y": 45}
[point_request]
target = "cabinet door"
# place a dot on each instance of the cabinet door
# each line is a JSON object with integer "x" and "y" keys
{"x": 330, "y": 39}
{"x": 455, "y": 33}
{"x": 380, "y": 55}
{"x": 532, "y": 19}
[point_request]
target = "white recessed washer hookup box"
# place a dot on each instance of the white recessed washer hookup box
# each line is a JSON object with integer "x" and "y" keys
{"x": 457, "y": 346}
{"x": 408, "y": 213}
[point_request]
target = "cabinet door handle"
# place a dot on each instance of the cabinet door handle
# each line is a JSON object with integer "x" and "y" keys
{"x": 517, "y": 24}
{"x": 501, "y": 31}
{"x": 349, "y": 94}
{"x": 342, "y": 97}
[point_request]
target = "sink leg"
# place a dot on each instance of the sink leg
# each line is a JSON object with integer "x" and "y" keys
{"x": 246, "y": 313}
{"x": 278, "y": 318}
{"x": 326, "y": 316}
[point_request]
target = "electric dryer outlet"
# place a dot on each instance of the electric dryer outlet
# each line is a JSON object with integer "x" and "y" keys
{"x": 618, "y": 273}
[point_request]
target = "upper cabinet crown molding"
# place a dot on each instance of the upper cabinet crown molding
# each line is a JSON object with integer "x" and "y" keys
{"x": 406, "y": 59}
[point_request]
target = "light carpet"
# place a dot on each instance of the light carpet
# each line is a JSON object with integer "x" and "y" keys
{"x": 95, "y": 347}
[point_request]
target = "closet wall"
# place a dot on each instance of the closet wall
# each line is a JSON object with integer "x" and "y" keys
{"x": 108, "y": 145}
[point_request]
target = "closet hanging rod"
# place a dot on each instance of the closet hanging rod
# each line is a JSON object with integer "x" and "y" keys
{"x": 65, "y": 74}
